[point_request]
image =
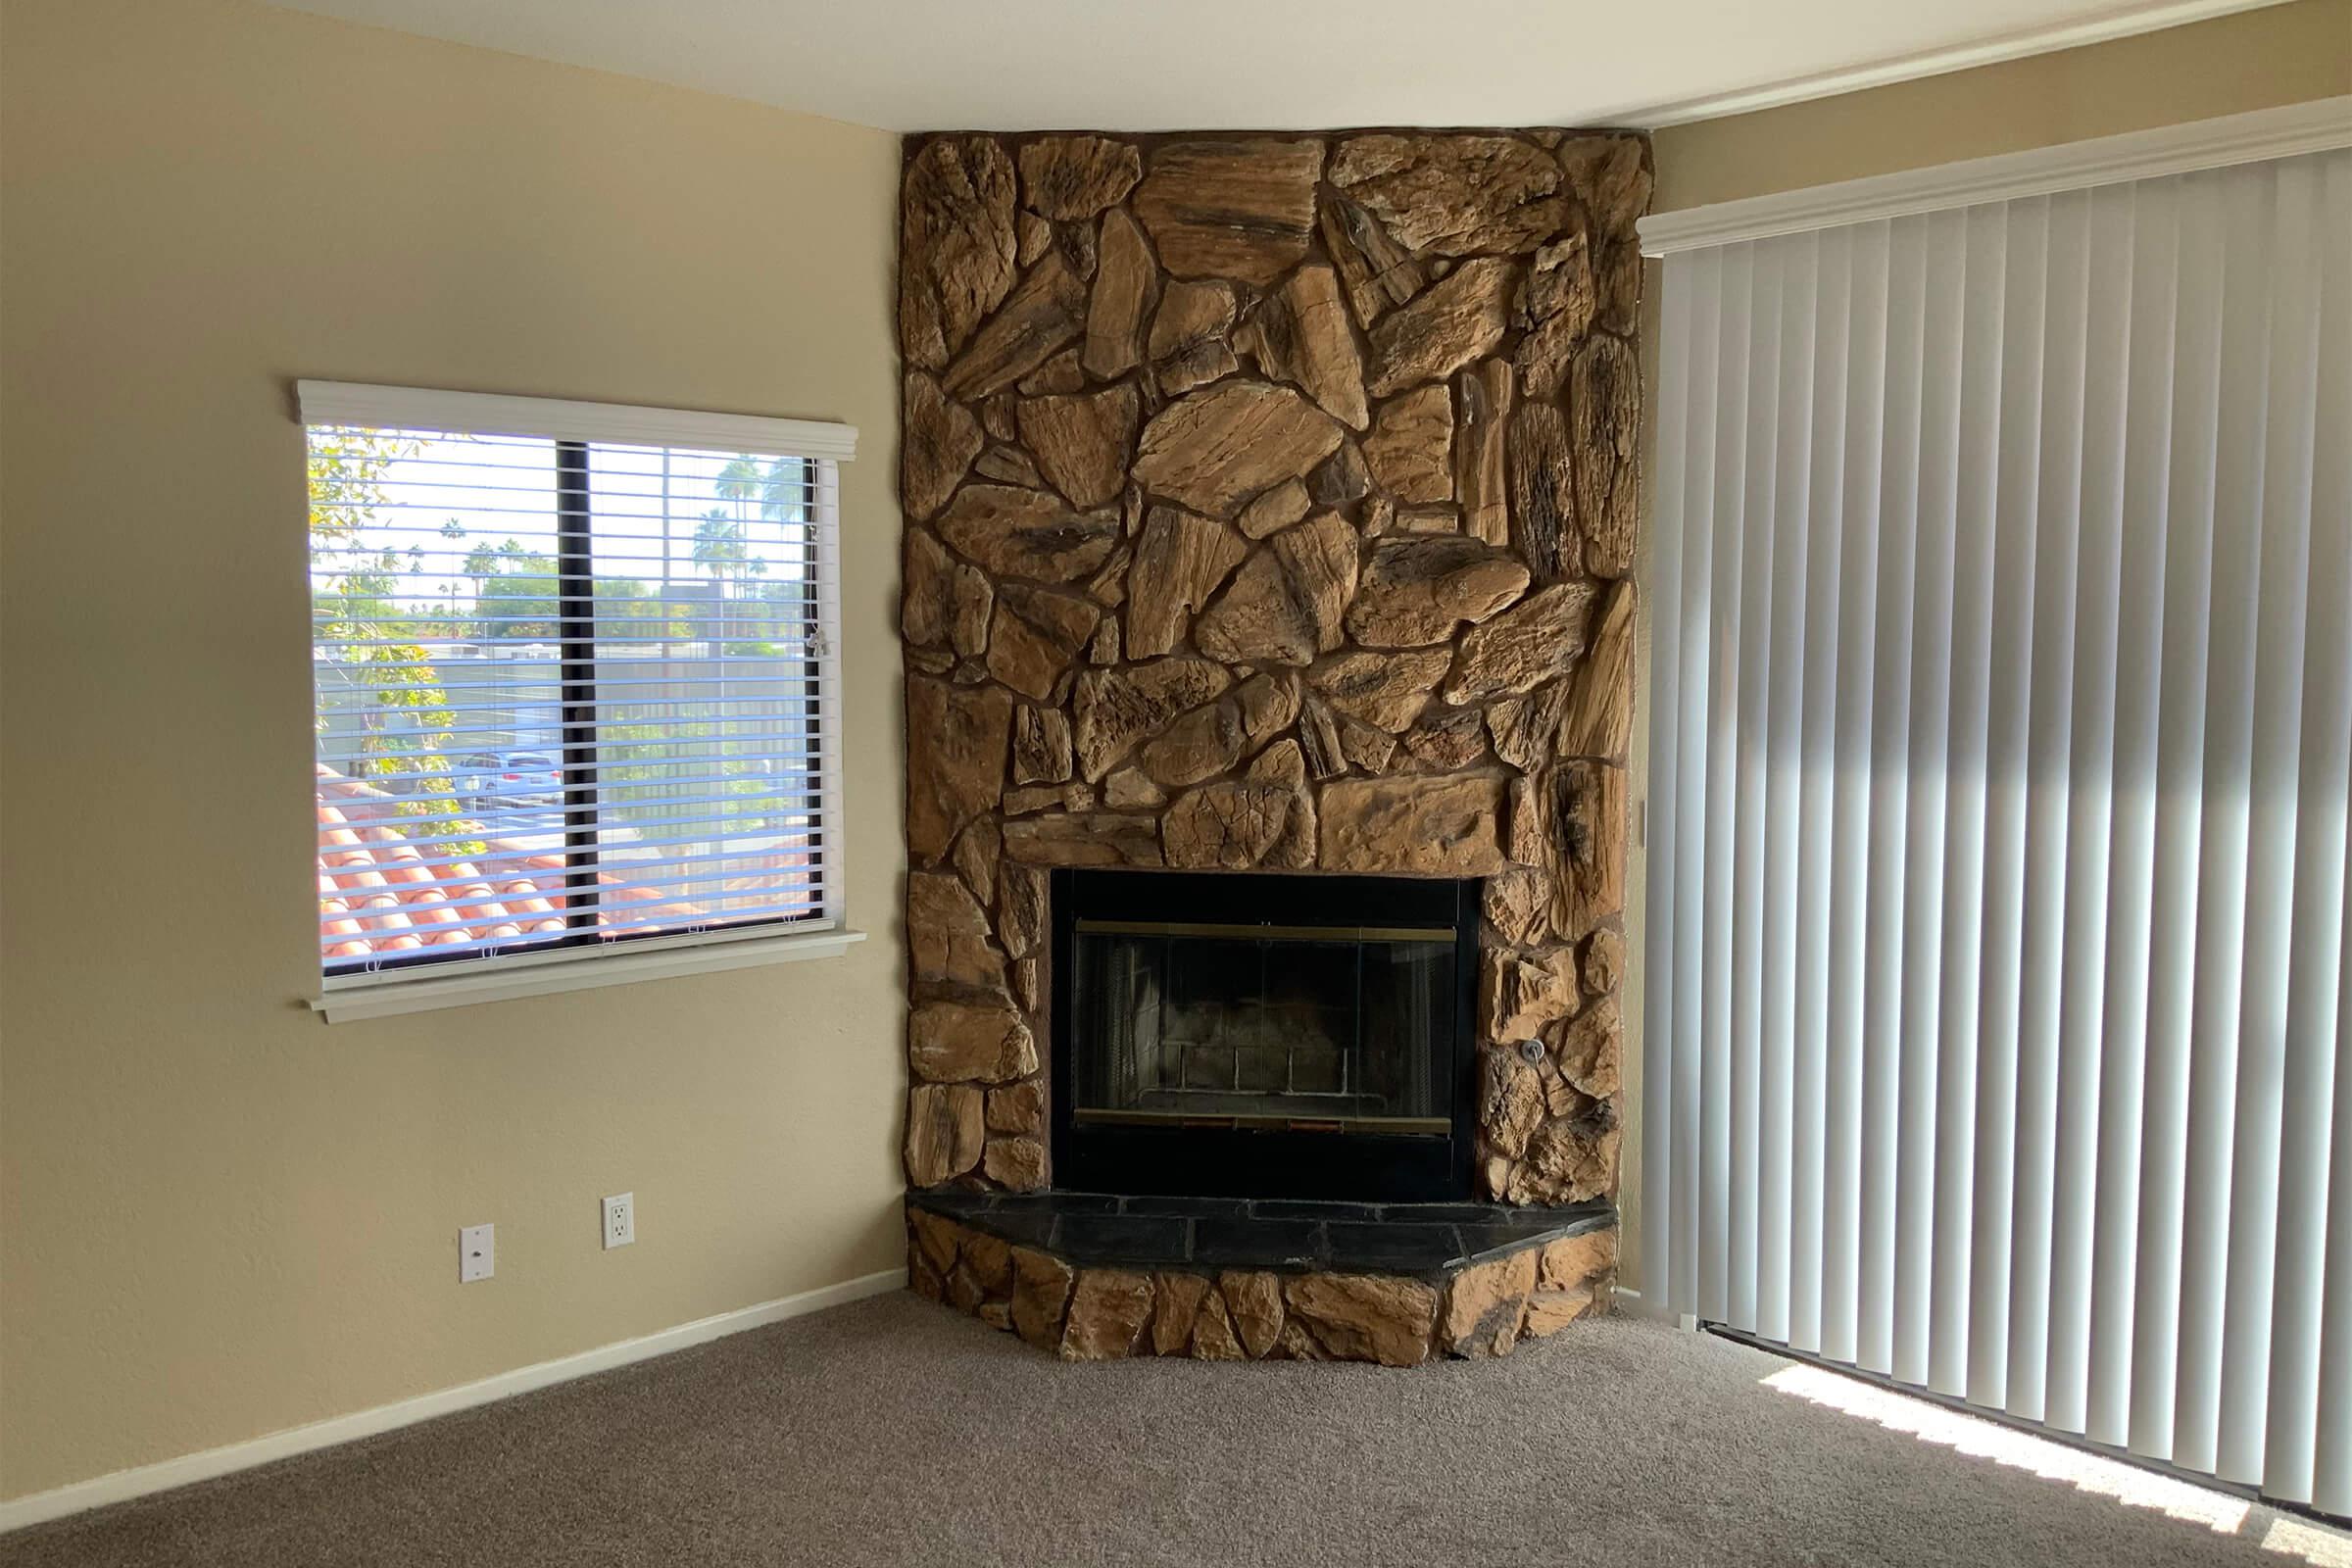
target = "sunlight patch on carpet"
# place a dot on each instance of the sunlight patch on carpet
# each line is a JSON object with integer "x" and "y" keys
{"x": 2315, "y": 1544}
{"x": 2019, "y": 1450}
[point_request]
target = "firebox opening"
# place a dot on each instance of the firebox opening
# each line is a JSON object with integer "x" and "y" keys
{"x": 1266, "y": 1036}
{"x": 1303, "y": 1028}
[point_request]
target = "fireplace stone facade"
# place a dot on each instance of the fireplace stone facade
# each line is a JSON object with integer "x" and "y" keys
{"x": 1270, "y": 503}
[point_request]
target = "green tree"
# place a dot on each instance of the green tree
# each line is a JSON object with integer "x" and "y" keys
{"x": 517, "y": 593}
{"x": 627, "y": 608}
{"x": 358, "y": 610}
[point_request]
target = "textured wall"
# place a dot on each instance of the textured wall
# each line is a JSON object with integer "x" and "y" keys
{"x": 223, "y": 1217}
{"x": 1270, "y": 503}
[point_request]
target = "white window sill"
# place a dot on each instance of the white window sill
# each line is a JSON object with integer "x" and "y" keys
{"x": 422, "y": 991}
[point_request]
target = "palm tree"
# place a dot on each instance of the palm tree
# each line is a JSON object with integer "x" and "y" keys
{"x": 720, "y": 548}
{"x": 778, "y": 486}
{"x": 739, "y": 482}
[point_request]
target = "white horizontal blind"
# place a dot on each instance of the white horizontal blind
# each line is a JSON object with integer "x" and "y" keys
{"x": 570, "y": 693}
{"x": 2004, "y": 662}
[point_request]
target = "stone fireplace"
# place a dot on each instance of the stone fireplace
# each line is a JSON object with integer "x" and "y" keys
{"x": 1269, "y": 510}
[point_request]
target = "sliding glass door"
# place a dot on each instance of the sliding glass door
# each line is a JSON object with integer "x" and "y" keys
{"x": 2001, "y": 725}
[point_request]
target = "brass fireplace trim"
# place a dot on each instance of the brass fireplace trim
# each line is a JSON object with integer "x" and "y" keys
{"x": 1266, "y": 933}
{"x": 1242, "y": 1121}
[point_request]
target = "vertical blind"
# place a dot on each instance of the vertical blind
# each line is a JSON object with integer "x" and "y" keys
{"x": 569, "y": 692}
{"x": 2002, "y": 683}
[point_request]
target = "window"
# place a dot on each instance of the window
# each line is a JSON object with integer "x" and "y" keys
{"x": 576, "y": 680}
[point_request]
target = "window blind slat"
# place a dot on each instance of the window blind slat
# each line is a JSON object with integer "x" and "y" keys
{"x": 1719, "y": 858}
{"x": 1691, "y": 719}
{"x": 2086, "y": 777}
{"x": 1823, "y": 509}
{"x": 2332, "y": 1453}
{"x": 1983, "y": 313}
{"x": 1757, "y": 520}
{"x": 2048, "y": 729}
{"x": 1925, "y": 799}
{"x": 1662, "y": 1140}
{"x": 2138, "y": 693}
{"x": 2246, "y": 221}
{"x": 1898, "y": 506}
{"x": 1782, "y": 768}
{"x": 2025, "y": 290}
{"x": 2284, "y": 558}
{"x": 1849, "y": 1176}
{"x": 2304, "y": 1382}
{"x": 2180, "y": 828}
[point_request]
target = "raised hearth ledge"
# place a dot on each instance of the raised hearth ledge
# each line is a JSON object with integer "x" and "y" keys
{"x": 1095, "y": 1277}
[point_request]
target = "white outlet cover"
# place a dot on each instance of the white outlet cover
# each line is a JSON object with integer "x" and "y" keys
{"x": 621, "y": 1220}
{"x": 478, "y": 1252}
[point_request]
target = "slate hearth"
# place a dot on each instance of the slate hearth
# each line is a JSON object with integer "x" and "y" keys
{"x": 1212, "y": 1233}
{"x": 1096, "y": 1276}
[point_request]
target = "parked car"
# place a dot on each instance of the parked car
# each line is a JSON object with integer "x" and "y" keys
{"x": 487, "y": 779}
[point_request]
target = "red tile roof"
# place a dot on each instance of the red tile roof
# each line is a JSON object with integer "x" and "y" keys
{"x": 376, "y": 896}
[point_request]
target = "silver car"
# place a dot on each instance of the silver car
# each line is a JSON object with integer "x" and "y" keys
{"x": 486, "y": 779}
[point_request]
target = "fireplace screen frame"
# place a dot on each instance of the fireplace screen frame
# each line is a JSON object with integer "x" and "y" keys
{"x": 1268, "y": 1157}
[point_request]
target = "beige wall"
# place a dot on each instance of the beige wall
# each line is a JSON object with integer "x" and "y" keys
{"x": 222, "y": 1216}
{"x": 2281, "y": 54}
{"x": 2254, "y": 60}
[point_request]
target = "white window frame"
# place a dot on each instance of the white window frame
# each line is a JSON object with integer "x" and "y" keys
{"x": 380, "y": 993}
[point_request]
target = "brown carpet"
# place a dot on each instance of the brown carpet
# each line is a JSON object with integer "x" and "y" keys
{"x": 895, "y": 1432}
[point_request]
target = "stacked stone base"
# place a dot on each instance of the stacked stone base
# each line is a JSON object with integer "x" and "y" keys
{"x": 1083, "y": 1312}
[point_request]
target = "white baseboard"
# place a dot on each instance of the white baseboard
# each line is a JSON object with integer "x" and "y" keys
{"x": 1631, "y": 1304}
{"x": 1634, "y": 1305}
{"x": 123, "y": 1485}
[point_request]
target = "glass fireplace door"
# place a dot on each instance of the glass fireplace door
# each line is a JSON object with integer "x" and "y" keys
{"x": 1264, "y": 1035}
{"x": 1305, "y": 1028}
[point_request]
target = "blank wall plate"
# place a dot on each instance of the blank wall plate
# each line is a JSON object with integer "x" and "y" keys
{"x": 478, "y": 1252}
{"x": 621, "y": 1220}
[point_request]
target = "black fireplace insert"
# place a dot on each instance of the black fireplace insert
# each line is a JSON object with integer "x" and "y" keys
{"x": 1251, "y": 1035}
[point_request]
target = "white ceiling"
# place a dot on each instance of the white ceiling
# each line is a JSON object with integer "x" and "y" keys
{"x": 1157, "y": 64}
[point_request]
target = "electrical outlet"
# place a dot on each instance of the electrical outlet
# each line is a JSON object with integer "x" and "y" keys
{"x": 478, "y": 1252}
{"x": 621, "y": 1220}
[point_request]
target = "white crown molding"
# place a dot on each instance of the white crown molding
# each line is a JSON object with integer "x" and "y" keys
{"x": 410, "y": 407}
{"x": 1991, "y": 51}
{"x": 2320, "y": 125}
{"x": 123, "y": 1485}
